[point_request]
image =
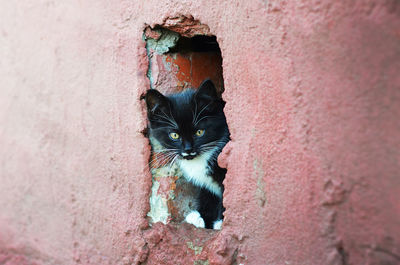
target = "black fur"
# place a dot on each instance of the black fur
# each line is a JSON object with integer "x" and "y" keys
{"x": 184, "y": 113}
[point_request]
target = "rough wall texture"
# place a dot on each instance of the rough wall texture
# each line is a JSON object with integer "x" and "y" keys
{"x": 312, "y": 91}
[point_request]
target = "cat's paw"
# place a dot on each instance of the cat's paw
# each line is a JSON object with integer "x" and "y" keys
{"x": 217, "y": 225}
{"x": 195, "y": 219}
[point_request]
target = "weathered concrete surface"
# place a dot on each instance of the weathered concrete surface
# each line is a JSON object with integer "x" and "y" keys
{"x": 312, "y": 91}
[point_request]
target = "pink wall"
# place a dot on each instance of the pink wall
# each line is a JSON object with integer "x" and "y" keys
{"x": 312, "y": 91}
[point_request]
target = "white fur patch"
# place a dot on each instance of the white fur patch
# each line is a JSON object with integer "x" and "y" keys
{"x": 195, "y": 219}
{"x": 196, "y": 171}
{"x": 217, "y": 225}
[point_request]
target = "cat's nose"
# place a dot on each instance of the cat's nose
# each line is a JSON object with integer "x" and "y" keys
{"x": 188, "y": 149}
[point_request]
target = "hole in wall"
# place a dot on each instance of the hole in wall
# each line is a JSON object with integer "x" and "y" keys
{"x": 177, "y": 62}
{"x": 181, "y": 56}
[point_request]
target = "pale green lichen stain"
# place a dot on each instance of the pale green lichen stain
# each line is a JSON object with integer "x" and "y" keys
{"x": 167, "y": 41}
{"x": 159, "y": 211}
{"x": 158, "y": 205}
{"x": 201, "y": 262}
{"x": 259, "y": 174}
{"x": 197, "y": 249}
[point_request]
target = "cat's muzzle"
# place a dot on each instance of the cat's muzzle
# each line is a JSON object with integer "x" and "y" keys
{"x": 188, "y": 156}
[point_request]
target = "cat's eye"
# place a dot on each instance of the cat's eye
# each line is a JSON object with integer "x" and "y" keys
{"x": 174, "y": 136}
{"x": 199, "y": 133}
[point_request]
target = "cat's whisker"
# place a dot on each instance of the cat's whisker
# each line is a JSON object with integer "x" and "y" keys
{"x": 155, "y": 163}
{"x": 202, "y": 118}
{"x": 209, "y": 144}
{"x": 164, "y": 116}
{"x": 163, "y": 160}
{"x": 172, "y": 163}
{"x": 166, "y": 150}
{"x": 170, "y": 118}
{"x": 167, "y": 120}
{"x": 198, "y": 115}
{"x": 163, "y": 150}
{"x": 214, "y": 152}
{"x": 195, "y": 112}
{"x": 215, "y": 143}
{"x": 193, "y": 115}
{"x": 208, "y": 148}
{"x": 159, "y": 164}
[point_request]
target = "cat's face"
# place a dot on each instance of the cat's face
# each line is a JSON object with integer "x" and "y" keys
{"x": 187, "y": 124}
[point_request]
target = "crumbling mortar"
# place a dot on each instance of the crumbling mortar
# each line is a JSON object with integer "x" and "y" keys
{"x": 214, "y": 248}
{"x": 186, "y": 26}
{"x": 148, "y": 72}
{"x": 166, "y": 41}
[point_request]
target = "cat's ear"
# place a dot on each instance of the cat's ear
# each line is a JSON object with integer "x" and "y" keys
{"x": 207, "y": 89}
{"x": 156, "y": 101}
{"x": 206, "y": 95}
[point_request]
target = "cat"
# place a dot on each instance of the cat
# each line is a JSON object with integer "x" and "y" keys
{"x": 191, "y": 128}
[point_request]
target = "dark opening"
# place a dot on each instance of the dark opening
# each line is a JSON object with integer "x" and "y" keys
{"x": 197, "y": 44}
{"x": 176, "y": 63}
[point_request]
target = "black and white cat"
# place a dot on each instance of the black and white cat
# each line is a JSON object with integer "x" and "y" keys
{"x": 190, "y": 127}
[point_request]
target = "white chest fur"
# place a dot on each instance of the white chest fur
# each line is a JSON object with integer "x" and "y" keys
{"x": 197, "y": 172}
